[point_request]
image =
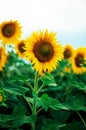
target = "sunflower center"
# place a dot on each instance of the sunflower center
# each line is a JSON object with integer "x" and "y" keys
{"x": 21, "y": 47}
{"x": 8, "y": 30}
{"x": 79, "y": 60}
{"x": 67, "y": 53}
{"x": 43, "y": 51}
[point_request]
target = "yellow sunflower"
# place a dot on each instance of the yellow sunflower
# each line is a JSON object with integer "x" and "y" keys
{"x": 68, "y": 51}
{"x": 43, "y": 50}
{"x": 3, "y": 57}
{"x": 78, "y": 59}
{"x": 20, "y": 48}
{"x": 10, "y": 32}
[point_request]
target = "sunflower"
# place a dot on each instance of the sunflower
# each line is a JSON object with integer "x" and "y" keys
{"x": 20, "y": 48}
{"x": 10, "y": 32}
{"x": 3, "y": 57}
{"x": 78, "y": 59}
{"x": 43, "y": 50}
{"x": 68, "y": 51}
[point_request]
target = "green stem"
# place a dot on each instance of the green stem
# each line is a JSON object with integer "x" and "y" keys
{"x": 82, "y": 119}
{"x": 34, "y": 110}
{"x": 40, "y": 88}
{"x": 28, "y": 102}
{"x": 33, "y": 113}
{"x": 36, "y": 82}
{"x": 28, "y": 84}
{"x": 39, "y": 110}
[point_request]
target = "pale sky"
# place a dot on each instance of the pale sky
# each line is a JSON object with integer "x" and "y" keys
{"x": 66, "y": 17}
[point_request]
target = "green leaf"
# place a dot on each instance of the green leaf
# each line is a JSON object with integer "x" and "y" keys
{"x": 18, "y": 78}
{"x": 48, "y": 79}
{"x": 76, "y": 104}
{"x": 44, "y": 101}
{"x": 57, "y": 105}
{"x": 17, "y": 118}
{"x": 80, "y": 85}
{"x": 60, "y": 116}
{"x": 50, "y": 124}
{"x": 28, "y": 99}
{"x": 74, "y": 126}
{"x": 63, "y": 63}
{"x": 51, "y": 127}
{"x": 50, "y": 88}
{"x": 16, "y": 89}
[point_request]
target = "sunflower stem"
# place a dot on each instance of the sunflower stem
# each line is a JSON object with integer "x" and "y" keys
{"x": 34, "y": 108}
{"x": 39, "y": 110}
{"x": 33, "y": 113}
{"x": 28, "y": 85}
{"x": 28, "y": 102}
{"x": 36, "y": 82}
{"x": 40, "y": 88}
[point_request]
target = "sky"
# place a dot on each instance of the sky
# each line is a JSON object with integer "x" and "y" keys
{"x": 66, "y": 17}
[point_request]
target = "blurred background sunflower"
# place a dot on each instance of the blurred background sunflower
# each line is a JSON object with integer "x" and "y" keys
{"x": 79, "y": 56}
{"x": 19, "y": 47}
{"x": 68, "y": 51}
{"x": 10, "y": 32}
{"x": 3, "y": 57}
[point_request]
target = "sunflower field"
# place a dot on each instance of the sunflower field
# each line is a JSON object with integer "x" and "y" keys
{"x": 42, "y": 82}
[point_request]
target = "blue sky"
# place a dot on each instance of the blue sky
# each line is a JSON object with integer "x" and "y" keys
{"x": 66, "y": 17}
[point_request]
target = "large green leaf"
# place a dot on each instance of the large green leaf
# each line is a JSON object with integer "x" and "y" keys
{"x": 74, "y": 126}
{"x": 20, "y": 78}
{"x": 45, "y": 101}
{"x": 57, "y": 105}
{"x": 49, "y": 80}
{"x": 16, "y": 119}
{"x": 16, "y": 90}
{"x": 80, "y": 85}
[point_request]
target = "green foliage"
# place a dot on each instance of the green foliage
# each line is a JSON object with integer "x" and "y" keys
{"x": 49, "y": 80}
{"x": 57, "y": 100}
{"x": 16, "y": 119}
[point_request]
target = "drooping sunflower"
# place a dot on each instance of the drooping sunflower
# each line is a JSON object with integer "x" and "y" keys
{"x": 20, "y": 48}
{"x": 43, "y": 50}
{"x": 78, "y": 59}
{"x": 68, "y": 51}
{"x": 10, "y": 32}
{"x": 3, "y": 57}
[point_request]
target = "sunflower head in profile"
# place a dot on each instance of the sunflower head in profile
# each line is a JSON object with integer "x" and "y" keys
{"x": 43, "y": 50}
{"x": 3, "y": 57}
{"x": 20, "y": 48}
{"x": 78, "y": 59}
{"x": 10, "y": 32}
{"x": 68, "y": 51}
